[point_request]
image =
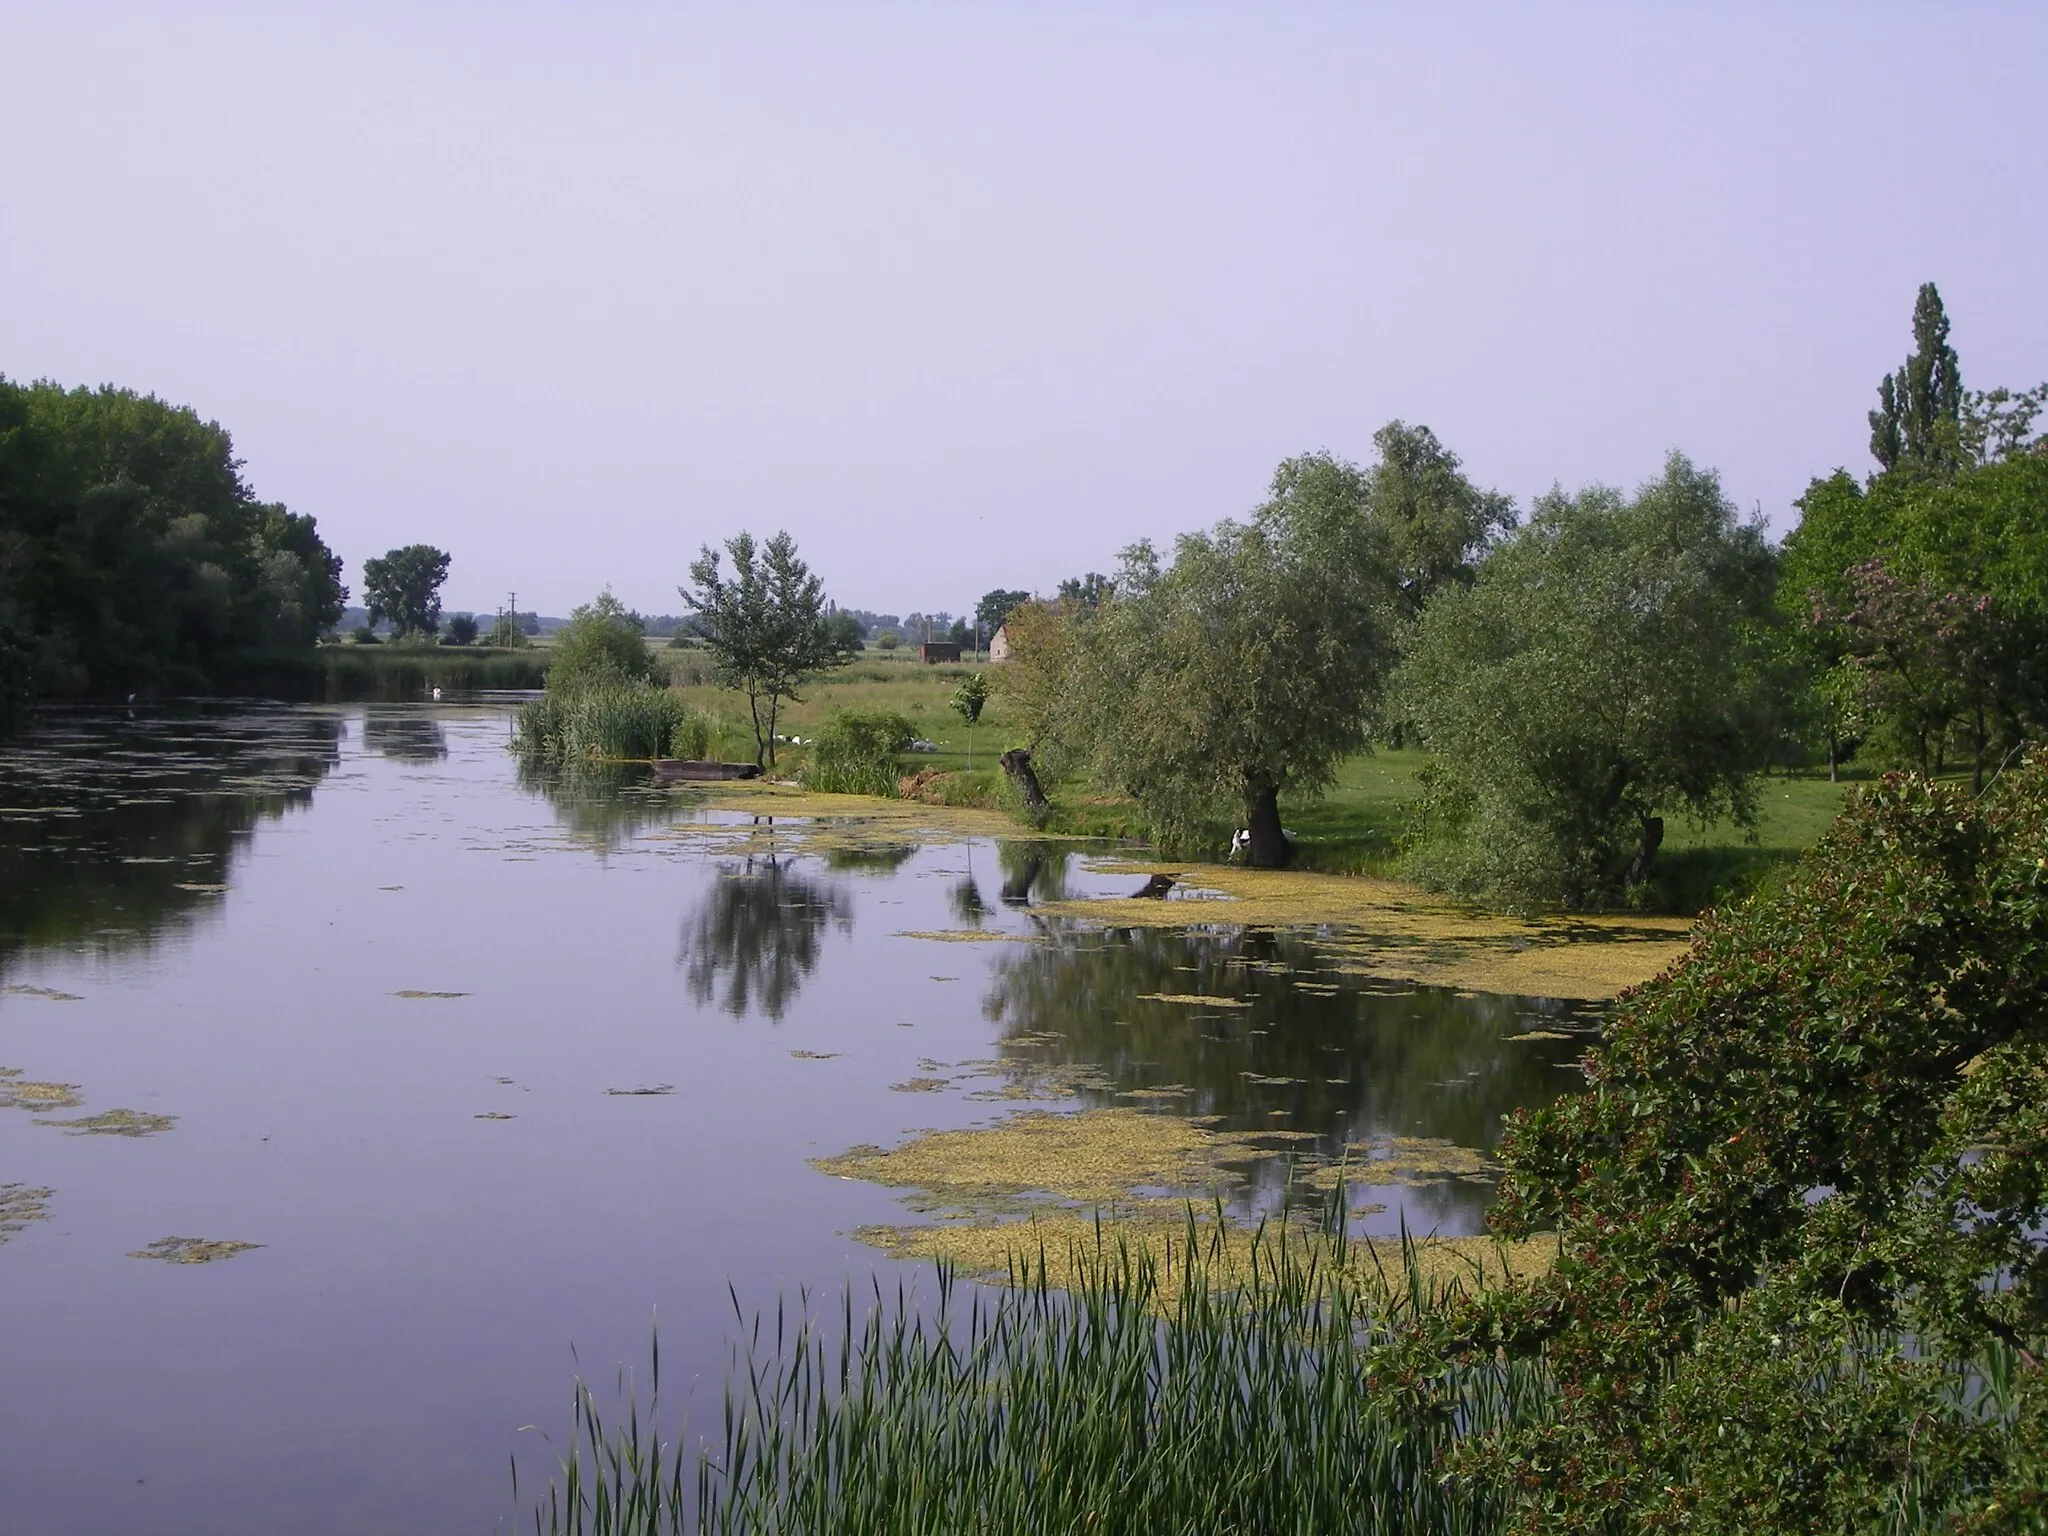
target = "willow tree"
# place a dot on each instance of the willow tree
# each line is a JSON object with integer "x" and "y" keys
{"x": 1251, "y": 665}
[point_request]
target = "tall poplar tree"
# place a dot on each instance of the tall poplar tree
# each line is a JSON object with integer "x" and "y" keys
{"x": 1918, "y": 422}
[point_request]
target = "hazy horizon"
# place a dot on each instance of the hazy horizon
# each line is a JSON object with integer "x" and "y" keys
{"x": 968, "y": 298}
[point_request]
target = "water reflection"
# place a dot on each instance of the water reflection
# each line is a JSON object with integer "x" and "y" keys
{"x": 404, "y": 735}
{"x": 1033, "y": 872}
{"x": 1292, "y": 1043}
{"x": 869, "y": 858}
{"x": 758, "y": 933}
{"x": 603, "y": 806}
{"x": 116, "y": 829}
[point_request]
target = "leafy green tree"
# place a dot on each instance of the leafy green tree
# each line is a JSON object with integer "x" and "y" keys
{"x": 1917, "y": 426}
{"x": 1089, "y": 592}
{"x": 1801, "y": 1284}
{"x": 1437, "y": 521}
{"x": 994, "y": 608}
{"x": 505, "y": 633}
{"x": 132, "y": 553}
{"x": 1600, "y": 672}
{"x": 404, "y": 586}
{"x": 888, "y": 640}
{"x": 461, "y": 630}
{"x": 766, "y": 625}
{"x": 1247, "y": 668}
{"x": 847, "y": 633}
{"x": 602, "y": 645}
{"x": 968, "y": 701}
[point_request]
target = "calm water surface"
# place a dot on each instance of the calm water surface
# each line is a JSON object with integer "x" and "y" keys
{"x": 215, "y": 916}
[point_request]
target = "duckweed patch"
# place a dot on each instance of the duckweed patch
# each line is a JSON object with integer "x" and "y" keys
{"x": 193, "y": 1250}
{"x": 1193, "y": 1000}
{"x": 974, "y": 936}
{"x": 920, "y": 1085}
{"x": 48, "y": 994}
{"x": 815, "y": 1055}
{"x": 493, "y": 1114}
{"x": 115, "y": 1122}
{"x": 652, "y": 1091}
{"x": 19, "y": 1205}
{"x": 1103, "y": 1157}
{"x": 17, "y": 1092}
{"x": 1396, "y": 932}
{"x": 416, "y": 993}
{"x": 1406, "y": 1161}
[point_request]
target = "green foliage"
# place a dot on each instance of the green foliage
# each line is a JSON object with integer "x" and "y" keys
{"x": 1438, "y": 523}
{"x": 1802, "y": 1284}
{"x": 404, "y": 586}
{"x": 888, "y": 639}
{"x": 1917, "y": 427}
{"x": 1606, "y": 667}
{"x": 461, "y": 630}
{"x": 1884, "y": 579}
{"x": 132, "y": 553}
{"x": 855, "y": 753}
{"x": 970, "y": 697}
{"x": 610, "y": 721}
{"x": 505, "y": 633}
{"x": 601, "y": 646}
{"x": 766, "y": 626}
{"x": 994, "y": 608}
{"x": 1249, "y": 667}
{"x": 1029, "y": 1410}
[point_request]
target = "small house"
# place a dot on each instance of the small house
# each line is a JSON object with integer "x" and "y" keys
{"x": 933, "y": 651}
{"x": 999, "y": 644}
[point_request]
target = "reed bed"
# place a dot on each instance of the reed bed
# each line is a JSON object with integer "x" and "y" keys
{"x": 1145, "y": 1398}
{"x": 612, "y": 722}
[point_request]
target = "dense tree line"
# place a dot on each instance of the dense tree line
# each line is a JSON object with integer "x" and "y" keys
{"x": 133, "y": 555}
{"x": 1579, "y": 675}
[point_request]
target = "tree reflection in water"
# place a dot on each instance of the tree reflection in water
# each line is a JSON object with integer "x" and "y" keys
{"x": 1297, "y": 1046}
{"x": 603, "y": 806}
{"x": 404, "y": 735}
{"x": 120, "y": 829}
{"x": 759, "y": 931}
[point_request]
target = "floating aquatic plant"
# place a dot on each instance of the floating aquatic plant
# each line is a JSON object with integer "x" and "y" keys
{"x": 193, "y": 1250}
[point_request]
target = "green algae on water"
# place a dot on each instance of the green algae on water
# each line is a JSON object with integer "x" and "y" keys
{"x": 19, "y": 1205}
{"x": 36, "y": 1098}
{"x": 415, "y": 992}
{"x": 654, "y": 1091}
{"x": 115, "y": 1122}
{"x": 48, "y": 994}
{"x": 193, "y": 1250}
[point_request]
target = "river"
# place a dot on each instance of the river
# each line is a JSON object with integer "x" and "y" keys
{"x": 487, "y": 1070}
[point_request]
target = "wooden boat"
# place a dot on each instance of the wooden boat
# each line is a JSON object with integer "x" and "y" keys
{"x": 684, "y": 770}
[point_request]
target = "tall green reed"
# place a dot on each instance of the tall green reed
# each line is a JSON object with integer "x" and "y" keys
{"x": 611, "y": 722}
{"x": 1147, "y": 1397}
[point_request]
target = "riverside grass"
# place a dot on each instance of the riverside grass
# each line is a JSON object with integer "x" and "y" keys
{"x": 611, "y": 722}
{"x": 1041, "y": 1407}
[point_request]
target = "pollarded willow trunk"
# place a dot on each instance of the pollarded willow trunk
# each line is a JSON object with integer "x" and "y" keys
{"x": 1017, "y": 765}
{"x": 1269, "y": 847}
{"x": 1646, "y": 853}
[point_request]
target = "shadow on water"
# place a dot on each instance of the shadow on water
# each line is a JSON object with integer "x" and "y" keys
{"x": 757, "y": 935}
{"x": 117, "y": 828}
{"x": 404, "y": 735}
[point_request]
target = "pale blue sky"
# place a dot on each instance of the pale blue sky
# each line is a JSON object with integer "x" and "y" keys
{"x": 973, "y": 295}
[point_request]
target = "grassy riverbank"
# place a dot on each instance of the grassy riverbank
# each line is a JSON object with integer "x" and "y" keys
{"x": 1357, "y": 828}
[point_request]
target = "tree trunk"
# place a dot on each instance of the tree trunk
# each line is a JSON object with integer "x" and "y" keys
{"x": 1017, "y": 764}
{"x": 1834, "y": 759}
{"x": 1017, "y": 889}
{"x": 1646, "y": 851}
{"x": 1269, "y": 848}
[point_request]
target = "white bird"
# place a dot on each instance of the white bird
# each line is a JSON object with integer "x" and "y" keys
{"x": 437, "y": 693}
